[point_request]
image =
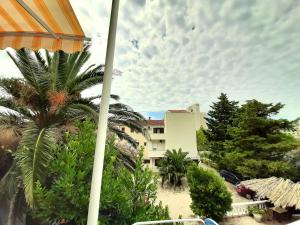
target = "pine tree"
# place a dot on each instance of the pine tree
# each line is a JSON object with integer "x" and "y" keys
{"x": 258, "y": 144}
{"x": 220, "y": 117}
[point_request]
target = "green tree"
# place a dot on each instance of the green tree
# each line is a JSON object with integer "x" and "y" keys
{"x": 220, "y": 117}
{"x": 209, "y": 194}
{"x": 202, "y": 142}
{"x": 173, "y": 167}
{"x": 43, "y": 102}
{"x": 126, "y": 197}
{"x": 258, "y": 142}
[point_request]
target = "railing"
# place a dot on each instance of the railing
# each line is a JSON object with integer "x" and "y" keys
{"x": 170, "y": 221}
{"x": 241, "y": 209}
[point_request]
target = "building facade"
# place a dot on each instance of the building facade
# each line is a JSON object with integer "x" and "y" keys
{"x": 177, "y": 130}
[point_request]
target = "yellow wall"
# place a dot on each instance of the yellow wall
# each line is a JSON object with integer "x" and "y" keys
{"x": 139, "y": 137}
{"x": 180, "y": 131}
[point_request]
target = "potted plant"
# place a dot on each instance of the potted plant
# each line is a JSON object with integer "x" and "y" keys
{"x": 257, "y": 213}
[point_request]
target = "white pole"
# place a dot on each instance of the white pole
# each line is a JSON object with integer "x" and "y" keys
{"x": 103, "y": 116}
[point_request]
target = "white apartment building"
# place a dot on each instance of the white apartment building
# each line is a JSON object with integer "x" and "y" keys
{"x": 177, "y": 130}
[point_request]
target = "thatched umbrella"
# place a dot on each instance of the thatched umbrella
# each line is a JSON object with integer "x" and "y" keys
{"x": 281, "y": 192}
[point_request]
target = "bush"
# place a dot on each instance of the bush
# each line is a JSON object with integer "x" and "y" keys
{"x": 209, "y": 194}
{"x": 125, "y": 198}
{"x": 255, "y": 210}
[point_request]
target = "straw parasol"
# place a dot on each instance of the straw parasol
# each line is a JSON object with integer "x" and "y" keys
{"x": 281, "y": 192}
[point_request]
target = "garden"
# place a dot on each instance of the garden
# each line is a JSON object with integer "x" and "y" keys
{"x": 45, "y": 174}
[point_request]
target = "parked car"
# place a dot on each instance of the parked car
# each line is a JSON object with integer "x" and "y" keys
{"x": 246, "y": 192}
{"x": 230, "y": 177}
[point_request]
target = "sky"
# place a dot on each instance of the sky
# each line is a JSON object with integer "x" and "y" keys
{"x": 174, "y": 53}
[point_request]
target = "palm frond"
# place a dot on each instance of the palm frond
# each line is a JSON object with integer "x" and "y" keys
{"x": 33, "y": 73}
{"x": 62, "y": 70}
{"x": 48, "y": 57}
{"x": 11, "y": 86}
{"x": 86, "y": 80}
{"x": 115, "y": 97}
{"x": 9, "y": 120}
{"x": 122, "y": 135}
{"x": 35, "y": 153}
{"x": 76, "y": 61}
{"x": 53, "y": 69}
{"x": 10, "y": 104}
{"x": 78, "y": 110}
{"x": 41, "y": 61}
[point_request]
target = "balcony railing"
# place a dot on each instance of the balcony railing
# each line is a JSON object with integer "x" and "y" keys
{"x": 170, "y": 221}
{"x": 156, "y": 153}
{"x": 157, "y": 136}
{"x": 241, "y": 209}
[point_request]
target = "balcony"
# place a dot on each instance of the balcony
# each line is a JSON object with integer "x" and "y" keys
{"x": 156, "y": 153}
{"x": 157, "y": 136}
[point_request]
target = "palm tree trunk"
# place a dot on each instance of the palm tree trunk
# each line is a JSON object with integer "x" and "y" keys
{"x": 11, "y": 214}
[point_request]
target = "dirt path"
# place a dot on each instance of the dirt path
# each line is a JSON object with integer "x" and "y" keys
{"x": 178, "y": 202}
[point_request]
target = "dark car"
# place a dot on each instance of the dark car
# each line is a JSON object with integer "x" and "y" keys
{"x": 246, "y": 192}
{"x": 230, "y": 177}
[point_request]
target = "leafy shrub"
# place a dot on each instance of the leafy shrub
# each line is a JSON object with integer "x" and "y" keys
{"x": 255, "y": 210}
{"x": 125, "y": 198}
{"x": 209, "y": 194}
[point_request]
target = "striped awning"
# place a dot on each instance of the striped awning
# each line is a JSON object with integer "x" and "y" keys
{"x": 36, "y": 24}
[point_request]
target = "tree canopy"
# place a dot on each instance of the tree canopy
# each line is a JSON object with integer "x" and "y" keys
{"x": 126, "y": 197}
{"x": 253, "y": 142}
{"x": 41, "y": 104}
{"x": 210, "y": 197}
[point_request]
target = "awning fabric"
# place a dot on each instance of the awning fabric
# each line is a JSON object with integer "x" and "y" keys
{"x": 18, "y": 28}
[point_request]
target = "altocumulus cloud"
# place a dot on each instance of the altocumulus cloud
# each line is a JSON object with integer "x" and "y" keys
{"x": 172, "y": 53}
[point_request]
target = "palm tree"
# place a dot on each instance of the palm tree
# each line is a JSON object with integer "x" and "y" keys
{"x": 43, "y": 102}
{"x": 173, "y": 167}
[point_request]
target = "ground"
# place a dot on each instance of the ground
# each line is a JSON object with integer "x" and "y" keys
{"x": 179, "y": 202}
{"x": 247, "y": 220}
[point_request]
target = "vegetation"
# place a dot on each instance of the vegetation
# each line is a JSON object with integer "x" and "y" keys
{"x": 126, "y": 197}
{"x": 173, "y": 167}
{"x": 255, "y": 210}
{"x": 252, "y": 143}
{"x": 202, "y": 142}
{"x": 209, "y": 194}
{"x": 259, "y": 143}
{"x": 219, "y": 119}
{"x": 42, "y": 105}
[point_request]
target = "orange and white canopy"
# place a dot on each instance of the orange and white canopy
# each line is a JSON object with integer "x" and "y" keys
{"x": 35, "y": 24}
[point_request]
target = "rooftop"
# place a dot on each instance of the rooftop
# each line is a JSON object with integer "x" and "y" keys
{"x": 155, "y": 122}
{"x": 178, "y": 111}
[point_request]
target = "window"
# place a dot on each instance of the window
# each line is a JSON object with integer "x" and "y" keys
{"x": 161, "y": 141}
{"x": 146, "y": 161}
{"x": 158, "y": 130}
{"x": 154, "y": 149}
{"x": 145, "y": 143}
{"x": 149, "y": 127}
{"x": 123, "y": 129}
{"x": 157, "y": 162}
{"x": 131, "y": 130}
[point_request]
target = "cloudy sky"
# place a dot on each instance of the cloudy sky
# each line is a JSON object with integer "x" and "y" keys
{"x": 173, "y": 53}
